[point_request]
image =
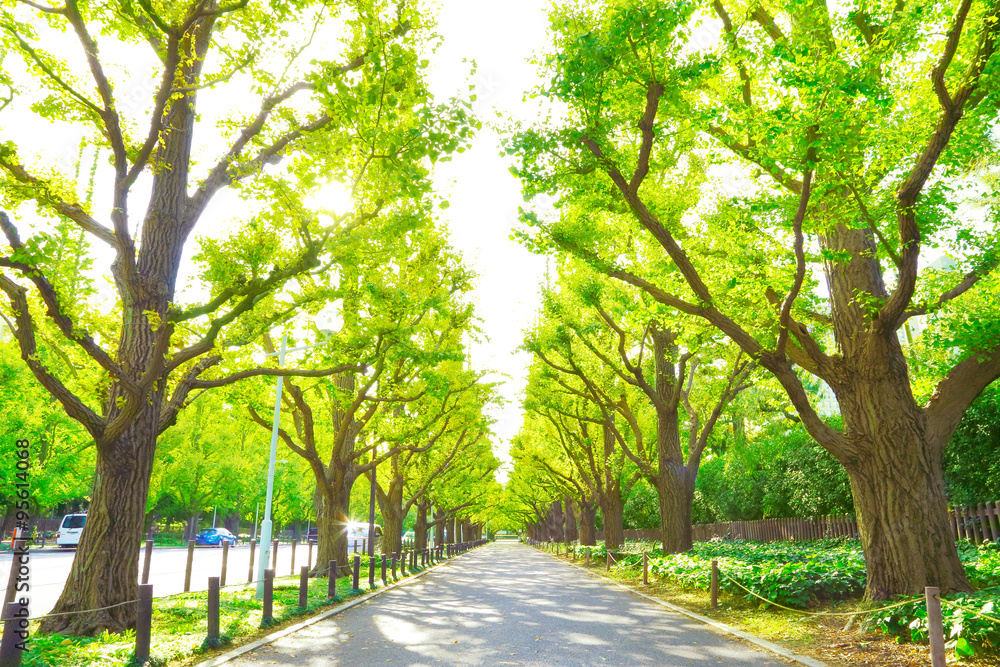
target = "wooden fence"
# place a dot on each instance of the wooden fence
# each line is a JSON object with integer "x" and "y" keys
{"x": 977, "y": 523}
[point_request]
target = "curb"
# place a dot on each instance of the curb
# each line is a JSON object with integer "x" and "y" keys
{"x": 722, "y": 627}
{"x": 271, "y": 638}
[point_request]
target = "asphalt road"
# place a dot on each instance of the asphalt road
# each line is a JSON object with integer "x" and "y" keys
{"x": 507, "y": 604}
{"x": 50, "y": 567}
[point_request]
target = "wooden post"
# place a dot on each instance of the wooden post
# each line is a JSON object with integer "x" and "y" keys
{"x": 213, "y": 612}
{"x": 295, "y": 544}
{"x": 986, "y": 524}
{"x": 253, "y": 547}
{"x": 190, "y": 564}
{"x": 383, "y": 569}
{"x": 355, "y": 581}
{"x": 935, "y": 629}
{"x": 274, "y": 555}
{"x": 146, "y": 560}
{"x": 15, "y": 630}
{"x": 715, "y": 584}
{"x": 331, "y": 585}
{"x": 371, "y": 572}
{"x": 607, "y": 568}
{"x": 304, "y": 587}
{"x": 268, "y": 597}
{"x": 588, "y": 556}
{"x": 394, "y": 577}
{"x": 143, "y": 623}
{"x": 402, "y": 562}
{"x": 645, "y": 569}
{"x": 225, "y": 562}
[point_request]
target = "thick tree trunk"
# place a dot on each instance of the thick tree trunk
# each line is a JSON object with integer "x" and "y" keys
{"x": 675, "y": 498}
{"x": 588, "y": 531}
{"x": 331, "y": 528}
{"x": 450, "y": 532}
{"x": 556, "y": 521}
{"x": 899, "y": 495}
{"x": 570, "y": 533}
{"x": 612, "y": 507}
{"x": 420, "y": 527}
{"x": 105, "y": 569}
{"x": 392, "y": 531}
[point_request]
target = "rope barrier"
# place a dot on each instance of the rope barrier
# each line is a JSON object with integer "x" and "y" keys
{"x": 820, "y": 613}
{"x": 72, "y": 613}
{"x": 971, "y": 611}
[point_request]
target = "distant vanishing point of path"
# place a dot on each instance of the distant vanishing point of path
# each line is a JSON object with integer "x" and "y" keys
{"x": 507, "y": 604}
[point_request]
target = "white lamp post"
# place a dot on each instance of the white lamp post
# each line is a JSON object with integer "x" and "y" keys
{"x": 328, "y": 317}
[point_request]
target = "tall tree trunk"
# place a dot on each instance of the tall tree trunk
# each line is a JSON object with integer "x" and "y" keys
{"x": 899, "y": 495}
{"x": 675, "y": 498}
{"x": 331, "y": 525}
{"x": 391, "y": 505}
{"x": 570, "y": 533}
{"x": 588, "y": 531}
{"x": 420, "y": 527}
{"x": 450, "y": 532}
{"x": 556, "y": 521}
{"x": 612, "y": 507}
{"x": 105, "y": 568}
{"x": 894, "y": 466}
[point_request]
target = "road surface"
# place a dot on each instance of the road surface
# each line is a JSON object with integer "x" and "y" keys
{"x": 507, "y": 604}
{"x": 50, "y": 567}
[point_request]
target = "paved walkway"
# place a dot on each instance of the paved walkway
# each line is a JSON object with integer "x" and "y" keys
{"x": 507, "y": 604}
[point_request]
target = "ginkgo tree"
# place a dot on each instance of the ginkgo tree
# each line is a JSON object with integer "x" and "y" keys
{"x": 786, "y": 173}
{"x": 267, "y": 101}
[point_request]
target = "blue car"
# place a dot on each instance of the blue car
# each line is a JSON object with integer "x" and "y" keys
{"x": 214, "y": 537}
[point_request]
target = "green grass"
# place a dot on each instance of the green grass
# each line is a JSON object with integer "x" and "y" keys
{"x": 180, "y": 625}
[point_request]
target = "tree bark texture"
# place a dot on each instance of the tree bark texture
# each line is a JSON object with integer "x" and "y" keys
{"x": 571, "y": 534}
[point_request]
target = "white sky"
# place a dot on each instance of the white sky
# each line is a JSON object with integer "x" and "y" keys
{"x": 484, "y": 196}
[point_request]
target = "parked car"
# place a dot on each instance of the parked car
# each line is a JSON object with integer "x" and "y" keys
{"x": 214, "y": 537}
{"x": 312, "y": 537}
{"x": 357, "y": 537}
{"x": 70, "y": 529}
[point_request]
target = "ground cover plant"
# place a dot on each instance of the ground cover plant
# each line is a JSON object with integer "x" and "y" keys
{"x": 180, "y": 625}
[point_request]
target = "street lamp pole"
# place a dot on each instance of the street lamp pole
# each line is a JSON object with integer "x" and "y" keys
{"x": 371, "y": 508}
{"x": 265, "y": 525}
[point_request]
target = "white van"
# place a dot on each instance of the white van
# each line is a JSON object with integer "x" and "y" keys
{"x": 70, "y": 530}
{"x": 357, "y": 537}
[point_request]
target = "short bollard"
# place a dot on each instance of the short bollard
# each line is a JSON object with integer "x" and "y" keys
{"x": 935, "y": 629}
{"x": 413, "y": 560}
{"x": 212, "y": 639}
{"x": 402, "y": 562}
{"x": 274, "y": 555}
{"x": 645, "y": 569}
{"x": 143, "y": 623}
{"x": 15, "y": 631}
{"x": 190, "y": 563}
{"x": 295, "y": 544}
{"x": 225, "y": 562}
{"x": 715, "y": 584}
{"x": 147, "y": 559}
{"x": 588, "y": 556}
{"x": 304, "y": 587}
{"x": 331, "y": 585}
{"x": 268, "y": 615}
{"x": 607, "y": 567}
{"x": 253, "y": 547}
{"x": 356, "y": 580}
{"x": 383, "y": 569}
{"x": 355, "y": 547}
{"x": 371, "y": 572}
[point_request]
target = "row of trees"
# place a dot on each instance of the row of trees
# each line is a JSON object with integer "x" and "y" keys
{"x": 782, "y": 177}
{"x": 295, "y": 142}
